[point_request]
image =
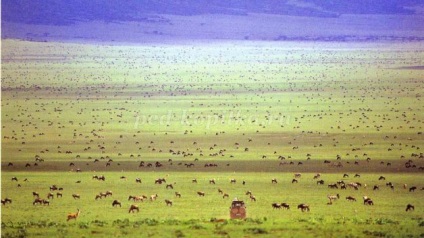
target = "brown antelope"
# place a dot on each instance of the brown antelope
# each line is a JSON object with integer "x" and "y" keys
{"x": 73, "y": 215}
{"x": 35, "y": 194}
{"x": 225, "y": 195}
{"x": 274, "y": 180}
{"x": 177, "y": 194}
{"x": 58, "y": 194}
{"x": 153, "y": 197}
{"x": 133, "y": 208}
{"x": 201, "y": 194}
{"x": 75, "y": 196}
{"x": 220, "y": 191}
{"x": 168, "y": 202}
{"x": 252, "y": 198}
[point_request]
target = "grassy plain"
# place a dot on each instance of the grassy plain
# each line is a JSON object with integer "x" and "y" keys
{"x": 240, "y": 105}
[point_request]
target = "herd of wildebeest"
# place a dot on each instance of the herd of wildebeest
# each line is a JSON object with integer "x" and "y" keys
{"x": 56, "y": 192}
{"x": 189, "y": 106}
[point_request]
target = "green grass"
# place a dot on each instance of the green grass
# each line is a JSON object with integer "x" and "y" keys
{"x": 386, "y": 216}
{"x": 240, "y": 106}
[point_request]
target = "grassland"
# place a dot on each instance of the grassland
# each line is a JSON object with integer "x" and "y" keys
{"x": 240, "y": 105}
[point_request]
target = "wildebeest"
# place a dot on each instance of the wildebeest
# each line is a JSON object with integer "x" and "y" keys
{"x": 303, "y": 207}
{"x": 116, "y": 203}
{"x": 201, "y": 194}
{"x": 133, "y": 208}
{"x": 321, "y": 182}
{"x": 350, "y": 198}
{"x": 333, "y": 186}
{"x": 276, "y": 205}
{"x": 410, "y": 207}
{"x": 285, "y": 206}
{"x": 6, "y": 200}
{"x": 412, "y": 189}
{"x": 274, "y": 180}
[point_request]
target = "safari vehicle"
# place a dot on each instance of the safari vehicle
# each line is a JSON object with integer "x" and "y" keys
{"x": 237, "y": 210}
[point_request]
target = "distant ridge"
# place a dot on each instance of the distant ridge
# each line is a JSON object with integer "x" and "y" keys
{"x": 265, "y": 20}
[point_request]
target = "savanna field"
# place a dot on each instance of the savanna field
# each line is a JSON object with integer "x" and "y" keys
{"x": 199, "y": 115}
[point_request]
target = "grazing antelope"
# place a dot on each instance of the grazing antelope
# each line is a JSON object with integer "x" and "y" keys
{"x": 320, "y": 182}
{"x": 317, "y": 176}
{"x": 276, "y": 206}
{"x": 138, "y": 198}
{"x": 212, "y": 181}
{"x": 303, "y": 207}
{"x": 294, "y": 181}
{"x": 116, "y": 203}
{"x": 252, "y": 198}
{"x": 297, "y": 175}
{"x": 177, "y": 194}
{"x": 75, "y": 196}
{"x": 194, "y": 180}
{"x": 410, "y": 207}
{"x": 382, "y": 178}
{"x": 412, "y": 189}
{"x": 169, "y": 186}
{"x": 58, "y": 194}
{"x": 133, "y": 208}
{"x": 233, "y": 181}
{"x": 50, "y": 196}
{"x": 274, "y": 180}
{"x": 15, "y": 179}
{"x": 153, "y": 197}
{"x": 249, "y": 193}
{"x": 168, "y": 202}
{"x": 220, "y": 191}
{"x": 138, "y": 180}
{"x": 73, "y": 215}
{"x": 333, "y": 197}
{"x": 225, "y": 195}
{"x": 201, "y": 194}
{"x": 376, "y": 187}
{"x": 108, "y": 193}
{"x": 35, "y": 194}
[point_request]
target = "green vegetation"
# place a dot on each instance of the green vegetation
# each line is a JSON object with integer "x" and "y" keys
{"x": 257, "y": 111}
